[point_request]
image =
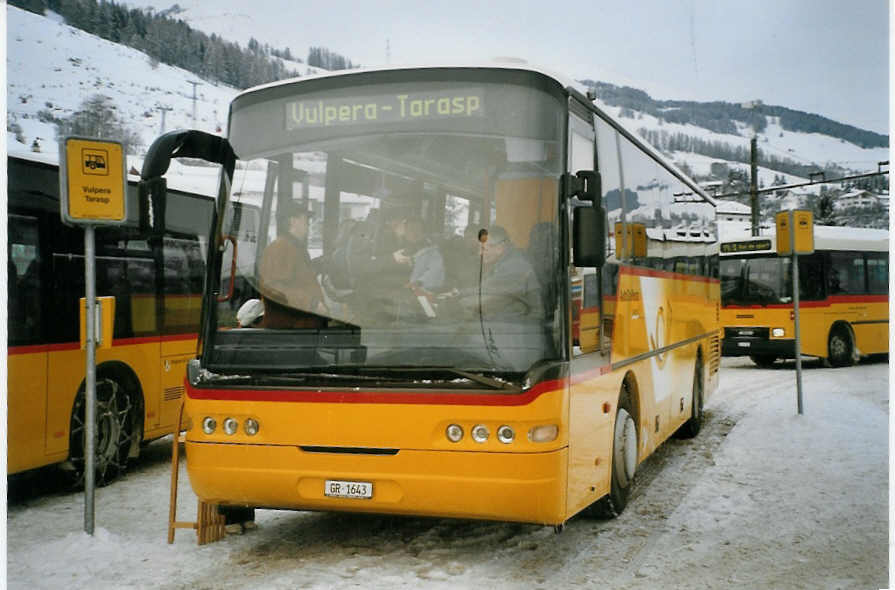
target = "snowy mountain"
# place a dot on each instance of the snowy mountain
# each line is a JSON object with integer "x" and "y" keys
{"x": 52, "y": 68}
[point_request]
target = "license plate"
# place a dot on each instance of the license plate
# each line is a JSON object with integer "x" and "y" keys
{"x": 348, "y": 489}
{"x": 744, "y": 344}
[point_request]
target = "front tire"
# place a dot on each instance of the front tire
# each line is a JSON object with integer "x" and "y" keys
{"x": 765, "y": 361}
{"x": 624, "y": 461}
{"x": 116, "y": 426}
{"x": 841, "y": 347}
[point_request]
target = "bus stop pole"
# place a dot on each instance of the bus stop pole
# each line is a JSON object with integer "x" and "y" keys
{"x": 795, "y": 300}
{"x": 90, "y": 386}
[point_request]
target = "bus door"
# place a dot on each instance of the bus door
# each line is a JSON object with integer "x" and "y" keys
{"x": 27, "y": 359}
{"x": 589, "y": 427}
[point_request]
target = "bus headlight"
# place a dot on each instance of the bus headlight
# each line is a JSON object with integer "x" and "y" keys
{"x": 778, "y": 332}
{"x": 454, "y": 433}
{"x": 545, "y": 433}
{"x": 480, "y": 433}
{"x": 251, "y": 426}
{"x": 209, "y": 424}
{"x": 505, "y": 434}
{"x": 230, "y": 425}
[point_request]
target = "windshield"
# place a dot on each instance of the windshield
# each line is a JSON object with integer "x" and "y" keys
{"x": 400, "y": 225}
{"x": 767, "y": 280}
{"x": 755, "y": 281}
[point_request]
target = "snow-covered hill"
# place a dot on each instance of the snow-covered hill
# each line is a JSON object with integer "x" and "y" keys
{"x": 52, "y": 68}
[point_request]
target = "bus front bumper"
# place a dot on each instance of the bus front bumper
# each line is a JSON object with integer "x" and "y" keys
{"x": 518, "y": 487}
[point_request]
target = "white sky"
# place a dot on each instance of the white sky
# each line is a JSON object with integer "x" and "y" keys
{"x": 823, "y": 56}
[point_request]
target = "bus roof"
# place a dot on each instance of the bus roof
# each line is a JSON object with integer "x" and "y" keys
{"x": 826, "y": 237}
{"x": 571, "y": 86}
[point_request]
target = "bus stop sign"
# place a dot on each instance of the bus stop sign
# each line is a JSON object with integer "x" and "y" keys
{"x": 795, "y": 231}
{"x": 92, "y": 182}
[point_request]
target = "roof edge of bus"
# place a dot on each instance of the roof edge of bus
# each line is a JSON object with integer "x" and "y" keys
{"x": 826, "y": 237}
{"x": 497, "y": 64}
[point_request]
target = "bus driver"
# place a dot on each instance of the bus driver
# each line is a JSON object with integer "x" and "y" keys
{"x": 288, "y": 282}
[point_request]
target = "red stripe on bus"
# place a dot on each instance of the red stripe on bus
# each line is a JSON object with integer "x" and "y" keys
{"x": 63, "y": 346}
{"x": 376, "y": 397}
{"x": 822, "y": 303}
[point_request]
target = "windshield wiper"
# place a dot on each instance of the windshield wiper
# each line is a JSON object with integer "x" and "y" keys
{"x": 390, "y": 375}
{"x": 484, "y": 380}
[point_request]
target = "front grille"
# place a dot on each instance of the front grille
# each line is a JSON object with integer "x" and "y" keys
{"x": 172, "y": 393}
{"x": 747, "y": 332}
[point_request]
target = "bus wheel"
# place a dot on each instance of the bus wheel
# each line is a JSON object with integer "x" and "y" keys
{"x": 624, "y": 461}
{"x": 691, "y": 427}
{"x": 765, "y": 361}
{"x": 841, "y": 348}
{"x": 115, "y": 428}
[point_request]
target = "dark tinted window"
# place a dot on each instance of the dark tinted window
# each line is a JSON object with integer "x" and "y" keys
{"x": 23, "y": 280}
{"x": 846, "y": 274}
{"x": 878, "y": 273}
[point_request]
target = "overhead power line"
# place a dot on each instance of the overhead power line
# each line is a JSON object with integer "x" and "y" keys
{"x": 812, "y": 180}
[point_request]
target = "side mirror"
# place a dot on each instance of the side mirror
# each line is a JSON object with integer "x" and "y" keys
{"x": 588, "y": 237}
{"x": 586, "y": 185}
{"x": 175, "y": 144}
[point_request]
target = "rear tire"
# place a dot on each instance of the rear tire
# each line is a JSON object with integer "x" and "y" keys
{"x": 765, "y": 361}
{"x": 691, "y": 427}
{"x": 116, "y": 425}
{"x": 841, "y": 347}
{"x": 624, "y": 461}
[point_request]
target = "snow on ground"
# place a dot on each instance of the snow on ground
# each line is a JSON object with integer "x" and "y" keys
{"x": 762, "y": 498}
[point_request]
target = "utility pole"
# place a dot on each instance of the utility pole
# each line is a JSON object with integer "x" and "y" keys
{"x": 164, "y": 111}
{"x": 753, "y": 185}
{"x": 194, "y": 99}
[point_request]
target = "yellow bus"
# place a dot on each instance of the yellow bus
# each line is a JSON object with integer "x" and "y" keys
{"x": 157, "y": 285}
{"x": 452, "y": 221}
{"x": 843, "y": 297}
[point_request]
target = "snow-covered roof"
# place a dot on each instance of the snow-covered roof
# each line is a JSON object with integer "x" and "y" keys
{"x": 826, "y": 237}
{"x": 725, "y": 206}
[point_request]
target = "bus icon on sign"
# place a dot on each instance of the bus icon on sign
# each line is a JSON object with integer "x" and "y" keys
{"x": 94, "y": 162}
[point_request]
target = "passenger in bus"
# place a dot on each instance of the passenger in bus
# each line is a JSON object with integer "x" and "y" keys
{"x": 424, "y": 258}
{"x": 462, "y": 257}
{"x": 388, "y": 248}
{"x": 288, "y": 281}
{"x": 509, "y": 286}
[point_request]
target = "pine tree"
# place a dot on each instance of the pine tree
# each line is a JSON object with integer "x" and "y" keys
{"x": 825, "y": 212}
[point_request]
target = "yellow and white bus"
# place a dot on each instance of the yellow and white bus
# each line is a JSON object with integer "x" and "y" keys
{"x": 441, "y": 372}
{"x": 843, "y": 297}
{"x": 157, "y": 285}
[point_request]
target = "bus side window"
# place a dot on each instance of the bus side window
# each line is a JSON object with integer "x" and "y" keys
{"x": 877, "y": 273}
{"x": 23, "y": 276}
{"x": 846, "y": 273}
{"x": 811, "y": 277}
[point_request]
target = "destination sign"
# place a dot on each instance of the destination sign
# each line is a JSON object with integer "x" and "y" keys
{"x": 385, "y": 108}
{"x": 753, "y": 246}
